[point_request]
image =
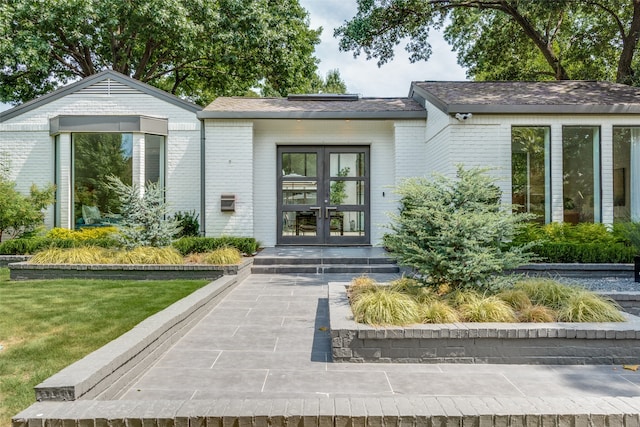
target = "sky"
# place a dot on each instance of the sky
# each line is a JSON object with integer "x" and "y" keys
{"x": 365, "y": 77}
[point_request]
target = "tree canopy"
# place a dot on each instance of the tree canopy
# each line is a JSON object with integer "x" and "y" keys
{"x": 507, "y": 39}
{"x": 196, "y": 49}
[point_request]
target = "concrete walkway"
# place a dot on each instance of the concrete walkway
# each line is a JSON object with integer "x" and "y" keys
{"x": 261, "y": 357}
{"x": 269, "y": 338}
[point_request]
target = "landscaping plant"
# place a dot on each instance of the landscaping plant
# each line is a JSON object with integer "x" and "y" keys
{"x": 144, "y": 215}
{"x": 223, "y": 256}
{"x": 453, "y": 231}
{"x": 188, "y": 223}
{"x": 20, "y": 214}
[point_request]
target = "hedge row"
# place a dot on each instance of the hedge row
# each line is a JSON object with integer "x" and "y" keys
{"x": 584, "y": 252}
{"x": 188, "y": 245}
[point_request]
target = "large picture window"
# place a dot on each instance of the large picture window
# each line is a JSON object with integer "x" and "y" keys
{"x": 626, "y": 174}
{"x": 95, "y": 157}
{"x": 581, "y": 174}
{"x": 530, "y": 179}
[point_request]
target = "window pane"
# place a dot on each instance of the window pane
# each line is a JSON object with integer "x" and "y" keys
{"x": 299, "y": 164}
{"x": 529, "y": 181}
{"x": 347, "y": 192}
{"x": 347, "y": 224}
{"x": 581, "y": 174}
{"x": 96, "y": 156}
{"x": 299, "y": 192}
{"x": 347, "y": 164}
{"x": 154, "y": 159}
{"x": 626, "y": 167}
{"x": 299, "y": 223}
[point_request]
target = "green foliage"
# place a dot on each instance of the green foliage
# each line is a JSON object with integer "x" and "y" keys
{"x": 414, "y": 288}
{"x": 384, "y": 306}
{"x": 488, "y": 309}
{"x": 333, "y": 83}
{"x": 143, "y": 216}
{"x": 146, "y": 255}
{"x": 589, "y": 307}
{"x": 223, "y": 256}
{"x": 82, "y": 255}
{"x": 584, "y": 242}
{"x": 196, "y": 49}
{"x": 188, "y": 223}
{"x": 454, "y": 231}
{"x": 438, "y": 312}
{"x": 550, "y": 39}
{"x": 546, "y": 292}
{"x": 82, "y": 234}
{"x": 189, "y": 245}
{"x": 31, "y": 245}
{"x": 21, "y": 214}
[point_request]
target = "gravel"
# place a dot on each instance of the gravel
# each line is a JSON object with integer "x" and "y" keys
{"x": 603, "y": 284}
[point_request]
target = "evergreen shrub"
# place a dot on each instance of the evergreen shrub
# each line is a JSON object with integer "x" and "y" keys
{"x": 189, "y": 245}
{"x": 453, "y": 231}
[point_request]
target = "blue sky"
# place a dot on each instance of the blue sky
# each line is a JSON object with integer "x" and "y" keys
{"x": 365, "y": 77}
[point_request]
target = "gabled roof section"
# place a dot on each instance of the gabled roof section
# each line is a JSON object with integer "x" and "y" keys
{"x": 104, "y": 82}
{"x": 314, "y": 107}
{"x": 553, "y": 97}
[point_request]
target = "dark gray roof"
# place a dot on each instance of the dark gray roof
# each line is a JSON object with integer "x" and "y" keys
{"x": 91, "y": 80}
{"x": 554, "y": 97}
{"x": 313, "y": 107}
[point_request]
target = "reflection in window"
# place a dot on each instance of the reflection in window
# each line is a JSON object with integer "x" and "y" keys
{"x": 299, "y": 223}
{"x": 581, "y": 174}
{"x": 530, "y": 182}
{"x": 299, "y": 192}
{"x": 154, "y": 159}
{"x": 347, "y": 164}
{"x": 299, "y": 164}
{"x": 95, "y": 157}
{"x": 626, "y": 174}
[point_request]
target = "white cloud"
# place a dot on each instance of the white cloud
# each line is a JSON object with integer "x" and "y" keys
{"x": 365, "y": 77}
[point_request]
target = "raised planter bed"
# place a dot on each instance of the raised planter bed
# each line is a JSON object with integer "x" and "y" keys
{"x": 26, "y": 271}
{"x": 509, "y": 343}
{"x": 5, "y": 260}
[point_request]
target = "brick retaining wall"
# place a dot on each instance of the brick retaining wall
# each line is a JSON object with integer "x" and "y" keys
{"x": 517, "y": 343}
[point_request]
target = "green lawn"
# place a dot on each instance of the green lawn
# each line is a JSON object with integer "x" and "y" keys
{"x": 46, "y": 325}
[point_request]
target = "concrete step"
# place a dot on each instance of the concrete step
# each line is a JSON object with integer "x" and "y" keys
{"x": 278, "y": 260}
{"x": 327, "y": 268}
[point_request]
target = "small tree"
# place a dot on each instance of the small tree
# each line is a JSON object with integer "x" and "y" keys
{"x": 20, "y": 214}
{"x": 143, "y": 216}
{"x": 453, "y": 231}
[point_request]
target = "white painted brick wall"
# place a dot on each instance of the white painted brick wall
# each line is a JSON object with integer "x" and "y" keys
{"x": 437, "y": 146}
{"x": 27, "y": 138}
{"x": 378, "y": 135}
{"x": 485, "y": 140}
{"x": 229, "y": 170}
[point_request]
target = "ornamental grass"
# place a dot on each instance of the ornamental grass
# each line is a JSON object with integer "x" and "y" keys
{"x": 406, "y": 301}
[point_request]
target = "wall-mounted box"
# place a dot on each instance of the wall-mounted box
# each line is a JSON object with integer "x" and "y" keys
{"x": 228, "y": 203}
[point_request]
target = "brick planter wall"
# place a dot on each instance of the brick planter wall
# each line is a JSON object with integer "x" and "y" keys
{"x": 517, "y": 343}
{"x": 26, "y": 271}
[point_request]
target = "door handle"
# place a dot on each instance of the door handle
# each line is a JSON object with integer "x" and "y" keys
{"x": 316, "y": 209}
{"x": 328, "y": 209}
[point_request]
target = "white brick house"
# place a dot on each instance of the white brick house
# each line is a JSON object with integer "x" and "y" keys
{"x": 319, "y": 169}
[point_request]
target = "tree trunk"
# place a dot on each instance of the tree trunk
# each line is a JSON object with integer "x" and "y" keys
{"x": 625, "y": 72}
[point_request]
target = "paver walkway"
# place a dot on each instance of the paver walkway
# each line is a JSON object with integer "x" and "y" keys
{"x": 269, "y": 339}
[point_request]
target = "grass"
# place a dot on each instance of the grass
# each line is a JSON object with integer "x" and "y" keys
{"x": 406, "y": 301}
{"x": 46, "y": 325}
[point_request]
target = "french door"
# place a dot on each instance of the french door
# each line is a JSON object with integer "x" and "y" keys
{"x": 323, "y": 195}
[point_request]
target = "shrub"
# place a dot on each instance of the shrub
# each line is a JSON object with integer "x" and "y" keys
{"x": 385, "y": 307}
{"x": 418, "y": 291}
{"x": 462, "y": 296}
{"x": 454, "y": 231}
{"x": 223, "y": 256}
{"x": 188, "y": 245}
{"x": 143, "y": 217}
{"x": 361, "y": 285}
{"x": 488, "y": 309}
{"x": 438, "y": 312}
{"x": 188, "y": 223}
{"x": 584, "y": 252}
{"x": 516, "y": 298}
{"x": 87, "y": 233}
{"x": 147, "y": 255}
{"x": 583, "y": 306}
{"x": 19, "y": 214}
{"x": 546, "y": 292}
{"x": 83, "y": 255}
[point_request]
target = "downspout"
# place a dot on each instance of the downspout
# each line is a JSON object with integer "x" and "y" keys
{"x": 203, "y": 209}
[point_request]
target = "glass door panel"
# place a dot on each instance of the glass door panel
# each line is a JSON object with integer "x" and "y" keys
{"x": 323, "y": 195}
